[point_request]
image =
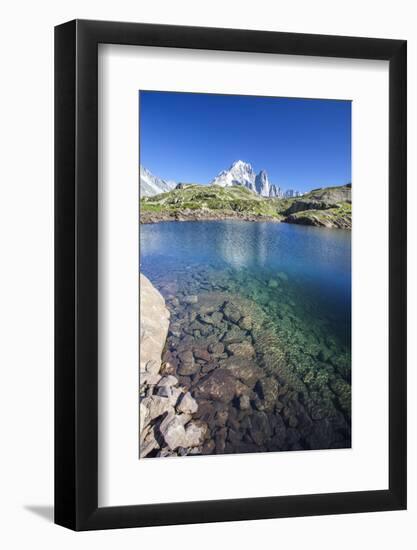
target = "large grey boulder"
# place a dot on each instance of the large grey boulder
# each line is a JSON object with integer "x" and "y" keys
{"x": 195, "y": 433}
{"x": 172, "y": 429}
{"x": 187, "y": 404}
{"x": 149, "y": 441}
{"x": 154, "y": 322}
{"x": 154, "y": 406}
{"x": 166, "y": 407}
{"x": 178, "y": 431}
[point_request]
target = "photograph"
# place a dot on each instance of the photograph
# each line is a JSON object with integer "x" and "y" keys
{"x": 208, "y": 231}
{"x": 245, "y": 274}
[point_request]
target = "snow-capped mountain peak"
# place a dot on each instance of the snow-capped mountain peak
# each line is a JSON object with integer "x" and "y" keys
{"x": 242, "y": 173}
{"x": 241, "y": 165}
{"x": 239, "y": 173}
{"x": 151, "y": 185}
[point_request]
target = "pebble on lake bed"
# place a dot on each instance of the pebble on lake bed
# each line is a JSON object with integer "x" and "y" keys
{"x": 192, "y": 299}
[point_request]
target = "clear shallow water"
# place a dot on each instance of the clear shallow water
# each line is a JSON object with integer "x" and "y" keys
{"x": 296, "y": 282}
{"x": 317, "y": 261}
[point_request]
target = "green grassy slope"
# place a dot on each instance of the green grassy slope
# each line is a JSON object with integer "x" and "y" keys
{"x": 203, "y": 197}
{"x": 327, "y": 207}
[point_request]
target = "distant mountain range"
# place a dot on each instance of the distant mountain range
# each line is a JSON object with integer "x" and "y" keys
{"x": 240, "y": 173}
{"x": 151, "y": 185}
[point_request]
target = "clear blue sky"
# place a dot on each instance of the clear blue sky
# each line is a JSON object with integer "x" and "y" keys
{"x": 301, "y": 143}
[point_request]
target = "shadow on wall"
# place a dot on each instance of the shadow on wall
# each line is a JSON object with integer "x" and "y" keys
{"x": 45, "y": 512}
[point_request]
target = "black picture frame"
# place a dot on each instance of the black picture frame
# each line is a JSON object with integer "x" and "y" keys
{"x": 76, "y": 272}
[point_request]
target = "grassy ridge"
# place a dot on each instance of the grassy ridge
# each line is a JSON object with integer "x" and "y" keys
{"x": 200, "y": 197}
{"x": 327, "y": 207}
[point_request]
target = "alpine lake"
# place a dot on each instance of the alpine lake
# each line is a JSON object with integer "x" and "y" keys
{"x": 270, "y": 302}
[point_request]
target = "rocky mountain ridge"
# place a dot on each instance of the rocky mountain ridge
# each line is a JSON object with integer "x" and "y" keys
{"x": 240, "y": 173}
{"x": 151, "y": 185}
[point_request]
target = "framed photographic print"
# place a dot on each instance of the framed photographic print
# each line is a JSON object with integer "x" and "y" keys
{"x": 230, "y": 275}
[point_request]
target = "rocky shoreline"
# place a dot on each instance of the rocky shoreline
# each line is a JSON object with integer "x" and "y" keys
{"x": 147, "y": 217}
{"x": 202, "y": 215}
{"x": 320, "y": 221}
{"x": 329, "y": 207}
{"x": 166, "y": 408}
{"x": 221, "y": 386}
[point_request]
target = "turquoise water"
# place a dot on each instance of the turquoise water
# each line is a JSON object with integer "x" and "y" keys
{"x": 294, "y": 282}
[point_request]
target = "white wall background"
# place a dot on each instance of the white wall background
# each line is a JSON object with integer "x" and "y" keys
{"x": 26, "y": 289}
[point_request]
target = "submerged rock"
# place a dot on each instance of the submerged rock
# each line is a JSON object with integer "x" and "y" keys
{"x": 292, "y": 421}
{"x": 208, "y": 447}
{"x": 260, "y": 429}
{"x": 212, "y": 319}
{"x": 268, "y": 390}
{"x": 187, "y": 364}
{"x": 234, "y": 336}
{"x": 231, "y": 312}
{"x": 321, "y": 435}
{"x": 192, "y": 299}
{"x": 219, "y": 385}
{"x": 220, "y": 440}
{"x": 244, "y": 402}
{"x": 216, "y": 348}
{"x": 344, "y": 392}
{"x": 245, "y": 323}
{"x": 201, "y": 353}
{"x": 243, "y": 349}
{"x": 243, "y": 369}
{"x": 206, "y": 411}
{"x": 242, "y": 389}
{"x": 175, "y": 329}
